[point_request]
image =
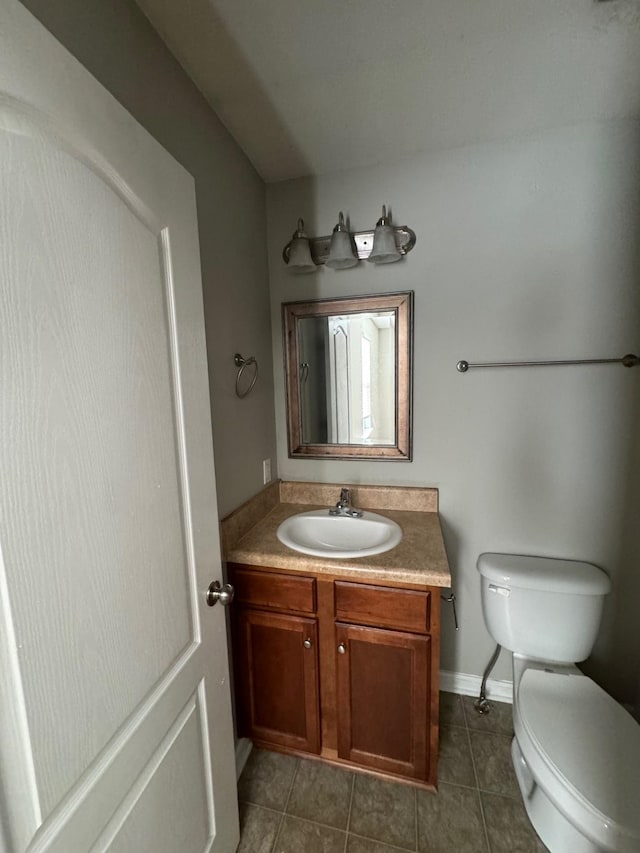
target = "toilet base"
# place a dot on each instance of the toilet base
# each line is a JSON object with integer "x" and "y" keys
{"x": 554, "y": 830}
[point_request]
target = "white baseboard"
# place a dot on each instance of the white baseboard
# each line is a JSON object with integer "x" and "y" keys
{"x": 469, "y": 685}
{"x": 243, "y": 751}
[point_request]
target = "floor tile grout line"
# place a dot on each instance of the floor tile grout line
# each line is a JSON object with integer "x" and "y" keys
{"x": 337, "y": 828}
{"x": 458, "y": 785}
{"x": 277, "y": 835}
{"x": 464, "y": 712}
{"x": 284, "y": 810}
{"x": 353, "y": 787}
{"x": 415, "y": 817}
{"x": 259, "y": 806}
{"x": 484, "y": 822}
{"x": 293, "y": 782}
{"x": 382, "y": 843}
{"x": 475, "y": 773}
{"x": 517, "y": 797}
{"x": 473, "y": 761}
{"x": 317, "y": 823}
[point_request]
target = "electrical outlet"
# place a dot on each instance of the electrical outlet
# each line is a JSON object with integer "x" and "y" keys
{"x": 266, "y": 471}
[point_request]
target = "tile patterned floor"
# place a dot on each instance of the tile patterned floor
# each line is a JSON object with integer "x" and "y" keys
{"x": 293, "y": 805}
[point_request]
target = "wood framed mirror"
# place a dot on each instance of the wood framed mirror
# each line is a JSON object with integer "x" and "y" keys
{"x": 348, "y": 370}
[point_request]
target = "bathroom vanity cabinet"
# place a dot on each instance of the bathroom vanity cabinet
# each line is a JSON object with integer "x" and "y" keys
{"x": 339, "y": 668}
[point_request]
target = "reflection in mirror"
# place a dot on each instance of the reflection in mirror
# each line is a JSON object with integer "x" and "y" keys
{"x": 347, "y": 378}
{"x": 348, "y": 382}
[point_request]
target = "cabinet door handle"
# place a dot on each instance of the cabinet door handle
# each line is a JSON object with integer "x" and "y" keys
{"x": 342, "y": 649}
{"x": 307, "y": 643}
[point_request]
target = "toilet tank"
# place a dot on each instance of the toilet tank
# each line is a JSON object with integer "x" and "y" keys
{"x": 542, "y": 607}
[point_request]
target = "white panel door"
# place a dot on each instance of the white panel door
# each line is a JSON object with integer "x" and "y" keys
{"x": 115, "y": 720}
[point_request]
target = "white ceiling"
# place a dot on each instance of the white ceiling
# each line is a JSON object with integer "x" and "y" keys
{"x": 309, "y": 87}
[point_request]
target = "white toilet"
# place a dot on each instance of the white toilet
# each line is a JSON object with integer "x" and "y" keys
{"x": 576, "y": 751}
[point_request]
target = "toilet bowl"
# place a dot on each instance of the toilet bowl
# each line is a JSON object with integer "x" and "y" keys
{"x": 577, "y": 758}
{"x": 576, "y": 752}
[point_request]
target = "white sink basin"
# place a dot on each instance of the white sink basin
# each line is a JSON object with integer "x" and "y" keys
{"x": 322, "y": 535}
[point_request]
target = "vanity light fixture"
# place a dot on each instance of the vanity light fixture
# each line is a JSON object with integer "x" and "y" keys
{"x": 344, "y": 248}
{"x": 341, "y": 250}
{"x": 384, "y": 249}
{"x": 299, "y": 258}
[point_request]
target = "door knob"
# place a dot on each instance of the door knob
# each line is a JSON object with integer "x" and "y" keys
{"x": 217, "y": 592}
{"x": 307, "y": 643}
{"x": 342, "y": 649}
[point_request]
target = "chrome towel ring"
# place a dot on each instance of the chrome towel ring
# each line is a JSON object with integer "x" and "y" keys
{"x": 242, "y": 363}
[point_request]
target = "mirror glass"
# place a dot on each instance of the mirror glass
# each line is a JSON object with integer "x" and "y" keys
{"x": 348, "y": 377}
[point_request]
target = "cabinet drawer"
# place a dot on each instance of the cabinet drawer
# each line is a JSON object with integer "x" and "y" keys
{"x": 274, "y": 591}
{"x": 363, "y": 604}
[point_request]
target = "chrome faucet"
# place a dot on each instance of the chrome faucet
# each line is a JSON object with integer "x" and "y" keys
{"x": 343, "y": 507}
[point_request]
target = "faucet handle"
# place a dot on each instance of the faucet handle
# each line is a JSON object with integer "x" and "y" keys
{"x": 344, "y": 496}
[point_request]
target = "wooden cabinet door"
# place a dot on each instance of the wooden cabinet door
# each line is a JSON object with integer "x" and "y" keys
{"x": 382, "y": 704}
{"x": 278, "y": 679}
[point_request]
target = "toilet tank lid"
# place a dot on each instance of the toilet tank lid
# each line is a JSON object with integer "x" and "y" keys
{"x": 544, "y": 573}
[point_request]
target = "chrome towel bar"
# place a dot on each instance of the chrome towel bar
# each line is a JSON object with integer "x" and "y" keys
{"x": 629, "y": 360}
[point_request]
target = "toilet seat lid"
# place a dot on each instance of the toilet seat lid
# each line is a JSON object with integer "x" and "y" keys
{"x": 588, "y": 740}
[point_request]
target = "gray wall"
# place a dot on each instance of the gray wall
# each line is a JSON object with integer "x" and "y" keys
{"x": 114, "y": 40}
{"x": 526, "y": 250}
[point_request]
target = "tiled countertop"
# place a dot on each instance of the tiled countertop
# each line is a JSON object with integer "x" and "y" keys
{"x": 249, "y": 535}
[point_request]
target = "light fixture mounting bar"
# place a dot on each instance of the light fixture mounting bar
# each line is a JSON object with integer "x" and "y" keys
{"x": 405, "y": 241}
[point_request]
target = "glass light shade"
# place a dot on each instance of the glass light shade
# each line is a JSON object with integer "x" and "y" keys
{"x": 385, "y": 250}
{"x": 300, "y": 260}
{"x": 341, "y": 254}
